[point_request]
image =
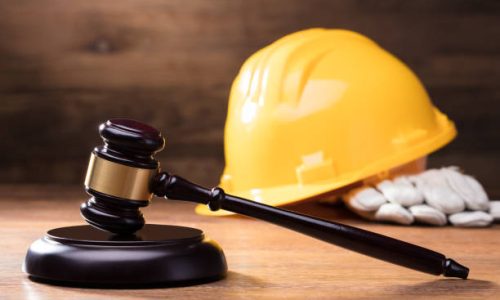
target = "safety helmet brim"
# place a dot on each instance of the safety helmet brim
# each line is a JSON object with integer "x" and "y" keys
{"x": 288, "y": 194}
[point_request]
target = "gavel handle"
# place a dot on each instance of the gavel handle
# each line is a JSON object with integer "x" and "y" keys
{"x": 352, "y": 238}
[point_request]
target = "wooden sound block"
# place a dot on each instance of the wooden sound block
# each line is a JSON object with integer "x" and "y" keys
{"x": 156, "y": 255}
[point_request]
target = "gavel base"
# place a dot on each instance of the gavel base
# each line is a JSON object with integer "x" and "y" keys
{"x": 157, "y": 255}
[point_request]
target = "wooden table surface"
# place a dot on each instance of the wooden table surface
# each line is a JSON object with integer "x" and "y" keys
{"x": 265, "y": 261}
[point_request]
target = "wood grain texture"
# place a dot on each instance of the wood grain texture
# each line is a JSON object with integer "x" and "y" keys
{"x": 265, "y": 262}
{"x": 65, "y": 66}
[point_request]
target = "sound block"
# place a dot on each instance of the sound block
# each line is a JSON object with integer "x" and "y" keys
{"x": 157, "y": 255}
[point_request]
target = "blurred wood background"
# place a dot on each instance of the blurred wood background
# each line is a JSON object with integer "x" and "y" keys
{"x": 66, "y": 66}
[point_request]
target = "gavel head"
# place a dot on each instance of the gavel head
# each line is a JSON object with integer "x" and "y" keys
{"x": 119, "y": 175}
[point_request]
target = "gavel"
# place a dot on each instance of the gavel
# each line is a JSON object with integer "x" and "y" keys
{"x": 123, "y": 176}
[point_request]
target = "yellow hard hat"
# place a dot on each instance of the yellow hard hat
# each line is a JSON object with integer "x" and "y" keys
{"x": 320, "y": 109}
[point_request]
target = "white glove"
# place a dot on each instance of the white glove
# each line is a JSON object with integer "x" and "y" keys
{"x": 433, "y": 197}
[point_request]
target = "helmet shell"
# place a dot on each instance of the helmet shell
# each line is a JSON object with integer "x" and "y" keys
{"x": 320, "y": 109}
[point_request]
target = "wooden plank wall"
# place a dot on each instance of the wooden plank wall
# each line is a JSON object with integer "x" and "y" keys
{"x": 67, "y": 65}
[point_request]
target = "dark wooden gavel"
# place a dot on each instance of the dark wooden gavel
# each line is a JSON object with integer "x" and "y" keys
{"x": 123, "y": 176}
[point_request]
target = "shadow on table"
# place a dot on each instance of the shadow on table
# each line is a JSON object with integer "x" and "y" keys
{"x": 231, "y": 279}
{"x": 241, "y": 280}
{"x": 450, "y": 287}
